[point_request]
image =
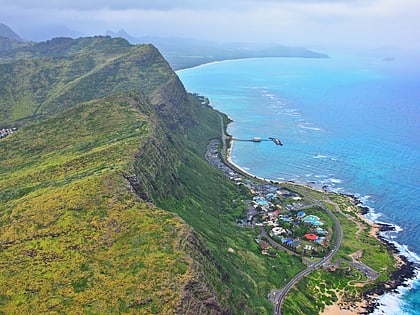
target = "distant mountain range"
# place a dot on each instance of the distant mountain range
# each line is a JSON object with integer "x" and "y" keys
{"x": 7, "y": 32}
{"x": 184, "y": 53}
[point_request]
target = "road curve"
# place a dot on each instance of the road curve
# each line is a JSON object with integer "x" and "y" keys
{"x": 339, "y": 236}
{"x": 279, "y": 299}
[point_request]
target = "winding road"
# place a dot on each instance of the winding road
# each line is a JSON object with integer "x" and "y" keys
{"x": 278, "y": 296}
{"x": 281, "y": 294}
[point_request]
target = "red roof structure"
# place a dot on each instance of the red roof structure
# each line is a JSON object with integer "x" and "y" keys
{"x": 311, "y": 237}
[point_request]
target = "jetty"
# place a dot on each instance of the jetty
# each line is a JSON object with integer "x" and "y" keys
{"x": 258, "y": 139}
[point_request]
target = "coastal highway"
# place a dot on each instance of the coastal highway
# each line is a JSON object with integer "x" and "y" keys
{"x": 281, "y": 294}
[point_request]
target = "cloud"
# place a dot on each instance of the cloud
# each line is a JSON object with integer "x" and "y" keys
{"x": 161, "y": 5}
{"x": 304, "y": 22}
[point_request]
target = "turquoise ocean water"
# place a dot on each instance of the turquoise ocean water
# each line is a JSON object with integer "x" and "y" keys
{"x": 352, "y": 124}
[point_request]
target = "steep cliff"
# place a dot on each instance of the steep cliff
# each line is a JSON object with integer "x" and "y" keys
{"x": 74, "y": 235}
{"x": 107, "y": 204}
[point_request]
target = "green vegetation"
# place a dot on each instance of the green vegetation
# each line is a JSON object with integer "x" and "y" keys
{"x": 344, "y": 280}
{"x": 356, "y": 237}
{"x": 106, "y": 135}
{"x": 211, "y": 205}
{"x": 47, "y": 78}
{"x": 74, "y": 237}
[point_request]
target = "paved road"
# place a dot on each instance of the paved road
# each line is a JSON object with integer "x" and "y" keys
{"x": 280, "y": 295}
{"x": 370, "y": 273}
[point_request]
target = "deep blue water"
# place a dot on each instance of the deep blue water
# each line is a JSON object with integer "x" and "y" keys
{"x": 352, "y": 124}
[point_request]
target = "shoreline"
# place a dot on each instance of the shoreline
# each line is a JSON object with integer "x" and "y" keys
{"x": 405, "y": 269}
{"x": 246, "y": 58}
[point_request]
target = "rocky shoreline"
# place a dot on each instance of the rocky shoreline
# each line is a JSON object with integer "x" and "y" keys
{"x": 404, "y": 272}
{"x": 405, "y": 269}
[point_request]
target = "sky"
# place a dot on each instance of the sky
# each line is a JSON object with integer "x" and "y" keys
{"x": 309, "y": 23}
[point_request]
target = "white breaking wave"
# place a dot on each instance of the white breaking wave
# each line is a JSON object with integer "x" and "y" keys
{"x": 308, "y": 126}
{"x": 391, "y": 303}
{"x": 372, "y": 215}
{"x": 363, "y": 199}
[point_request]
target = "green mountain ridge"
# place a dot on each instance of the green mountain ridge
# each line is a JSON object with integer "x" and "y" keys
{"x": 51, "y": 76}
{"x": 106, "y": 202}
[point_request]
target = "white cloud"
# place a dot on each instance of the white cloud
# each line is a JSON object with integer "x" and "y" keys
{"x": 307, "y": 22}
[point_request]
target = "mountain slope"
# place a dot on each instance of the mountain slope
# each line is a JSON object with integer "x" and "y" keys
{"x": 7, "y": 32}
{"x": 74, "y": 236}
{"x": 106, "y": 135}
{"x": 49, "y": 77}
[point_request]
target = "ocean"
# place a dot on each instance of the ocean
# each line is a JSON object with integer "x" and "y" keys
{"x": 350, "y": 124}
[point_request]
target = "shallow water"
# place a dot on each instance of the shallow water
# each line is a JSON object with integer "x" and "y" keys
{"x": 352, "y": 124}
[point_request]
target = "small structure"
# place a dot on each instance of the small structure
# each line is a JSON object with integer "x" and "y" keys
{"x": 295, "y": 244}
{"x": 276, "y": 141}
{"x": 278, "y": 231}
{"x": 261, "y": 201}
{"x": 301, "y": 214}
{"x": 311, "y": 237}
{"x": 308, "y": 247}
{"x": 270, "y": 196}
{"x": 312, "y": 219}
{"x": 285, "y": 218}
{"x": 321, "y": 231}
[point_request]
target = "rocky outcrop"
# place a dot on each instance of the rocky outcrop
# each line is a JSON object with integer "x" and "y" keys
{"x": 154, "y": 168}
{"x": 199, "y": 294}
{"x": 171, "y": 102}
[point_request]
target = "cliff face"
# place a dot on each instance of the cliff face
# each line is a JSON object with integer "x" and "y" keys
{"x": 199, "y": 294}
{"x": 154, "y": 167}
{"x": 75, "y": 237}
{"x": 105, "y": 190}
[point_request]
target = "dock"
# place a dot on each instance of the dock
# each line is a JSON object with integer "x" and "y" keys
{"x": 258, "y": 139}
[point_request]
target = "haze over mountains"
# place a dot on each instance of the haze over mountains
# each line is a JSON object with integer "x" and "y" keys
{"x": 184, "y": 52}
{"x": 7, "y": 32}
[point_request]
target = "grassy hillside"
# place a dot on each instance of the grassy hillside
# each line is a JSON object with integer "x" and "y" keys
{"x": 50, "y": 77}
{"x": 211, "y": 205}
{"x": 106, "y": 135}
{"x": 74, "y": 238}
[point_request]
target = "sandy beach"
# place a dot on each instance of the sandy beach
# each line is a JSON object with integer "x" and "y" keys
{"x": 336, "y": 310}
